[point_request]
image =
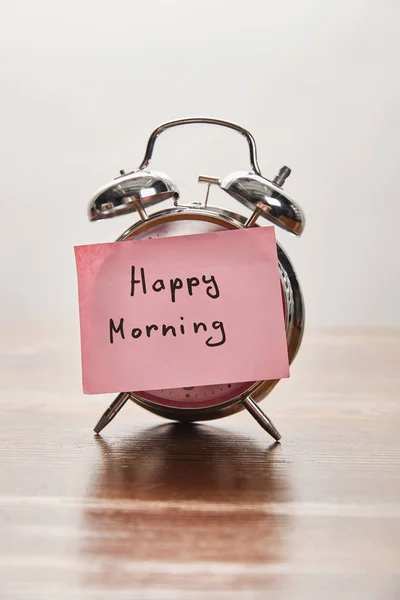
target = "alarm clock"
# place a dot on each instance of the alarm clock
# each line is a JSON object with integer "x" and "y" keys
{"x": 138, "y": 191}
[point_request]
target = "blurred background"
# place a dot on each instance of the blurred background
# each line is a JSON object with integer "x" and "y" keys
{"x": 84, "y": 83}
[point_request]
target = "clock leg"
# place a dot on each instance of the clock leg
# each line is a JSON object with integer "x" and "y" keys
{"x": 261, "y": 417}
{"x": 112, "y": 411}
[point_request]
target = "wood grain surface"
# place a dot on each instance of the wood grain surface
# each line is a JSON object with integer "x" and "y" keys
{"x": 154, "y": 510}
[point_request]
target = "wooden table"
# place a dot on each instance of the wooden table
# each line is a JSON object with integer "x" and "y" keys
{"x": 154, "y": 510}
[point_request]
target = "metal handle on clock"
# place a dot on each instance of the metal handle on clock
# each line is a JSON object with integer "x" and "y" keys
{"x": 202, "y": 120}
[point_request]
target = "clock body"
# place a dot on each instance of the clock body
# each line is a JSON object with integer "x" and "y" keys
{"x": 214, "y": 401}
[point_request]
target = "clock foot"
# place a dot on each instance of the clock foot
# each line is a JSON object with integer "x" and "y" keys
{"x": 261, "y": 418}
{"x": 112, "y": 411}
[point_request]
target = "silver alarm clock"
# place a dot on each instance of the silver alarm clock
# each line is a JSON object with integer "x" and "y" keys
{"x": 138, "y": 190}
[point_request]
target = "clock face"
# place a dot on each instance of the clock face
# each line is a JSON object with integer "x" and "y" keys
{"x": 198, "y": 396}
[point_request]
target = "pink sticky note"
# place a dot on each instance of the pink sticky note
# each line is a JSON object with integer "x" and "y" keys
{"x": 181, "y": 311}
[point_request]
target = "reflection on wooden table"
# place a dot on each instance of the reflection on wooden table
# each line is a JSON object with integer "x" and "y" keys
{"x": 191, "y": 484}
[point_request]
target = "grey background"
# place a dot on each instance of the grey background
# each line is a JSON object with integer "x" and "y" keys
{"x": 317, "y": 83}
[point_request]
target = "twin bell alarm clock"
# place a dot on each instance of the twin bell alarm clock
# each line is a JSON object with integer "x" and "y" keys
{"x": 139, "y": 190}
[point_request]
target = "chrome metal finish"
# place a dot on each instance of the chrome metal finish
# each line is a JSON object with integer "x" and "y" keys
{"x": 112, "y": 411}
{"x": 255, "y": 191}
{"x": 137, "y": 190}
{"x": 202, "y": 120}
{"x": 130, "y": 193}
{"x": 261, "y": 418}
